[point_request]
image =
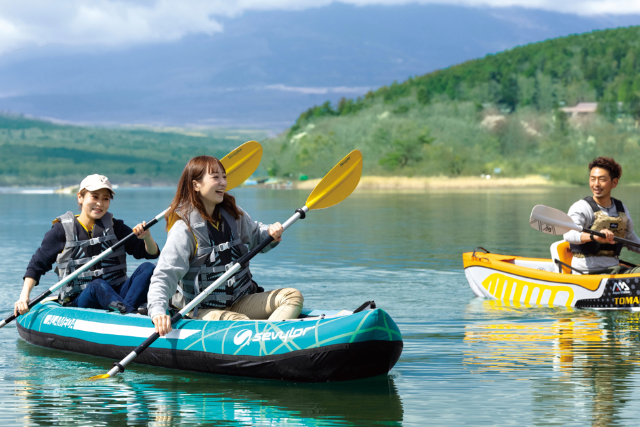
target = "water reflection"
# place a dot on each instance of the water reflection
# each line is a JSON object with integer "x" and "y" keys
{"x": 576, "y": 360}
{"x": 161, "y": 397}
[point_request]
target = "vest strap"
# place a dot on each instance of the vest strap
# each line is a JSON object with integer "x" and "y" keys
{"x": 204, "y": 251}
{"x": 82, "y": 261}
{"x": 90, "y": 242}
{"x": 227, "y": 245}
{"x": 209, "y": 270}
{"x": 101, "y": 271}
{"x": 213, "y": 297}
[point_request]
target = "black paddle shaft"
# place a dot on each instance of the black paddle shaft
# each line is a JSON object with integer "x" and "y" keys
{"x": 617, "y": 239}
{"x": 48, "y": 292}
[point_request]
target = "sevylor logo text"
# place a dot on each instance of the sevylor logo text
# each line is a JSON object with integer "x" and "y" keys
{"x": 63, "y": 322}
{"x": 245, "y": 336}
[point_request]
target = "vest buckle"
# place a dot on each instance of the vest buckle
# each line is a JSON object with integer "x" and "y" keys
{"x": 223, "y": 247}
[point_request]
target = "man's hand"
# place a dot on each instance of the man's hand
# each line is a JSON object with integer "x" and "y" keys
{"x": 609, "y": 239}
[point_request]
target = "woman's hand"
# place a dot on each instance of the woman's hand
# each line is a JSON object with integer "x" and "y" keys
{"x": 22, "y": 305}
{"x": 139, "y": 231}
{"x": 149, "y": 244}
{"x": 162, "y": 323}
{"x": 275, "y": 231}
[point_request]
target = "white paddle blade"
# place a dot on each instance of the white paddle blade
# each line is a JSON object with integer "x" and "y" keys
{"x": 551, "y": 221}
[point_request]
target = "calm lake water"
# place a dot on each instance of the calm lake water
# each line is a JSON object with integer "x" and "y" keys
{"x": 466, "y": 361}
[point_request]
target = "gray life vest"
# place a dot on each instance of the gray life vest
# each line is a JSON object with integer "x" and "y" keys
{"x": 77, "y": 252}
{"x": 205, "y": 267}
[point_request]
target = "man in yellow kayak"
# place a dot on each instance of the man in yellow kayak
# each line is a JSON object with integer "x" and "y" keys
{"x": 601, "y": 212}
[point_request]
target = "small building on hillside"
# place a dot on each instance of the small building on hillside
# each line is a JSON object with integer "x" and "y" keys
{"x": 582, "y": 109}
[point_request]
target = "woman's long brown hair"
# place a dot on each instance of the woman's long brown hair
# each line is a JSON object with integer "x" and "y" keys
{"x": 187, "y": 199}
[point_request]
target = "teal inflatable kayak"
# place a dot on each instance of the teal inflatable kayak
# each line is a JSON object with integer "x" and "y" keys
{"x": 322, "y": 345}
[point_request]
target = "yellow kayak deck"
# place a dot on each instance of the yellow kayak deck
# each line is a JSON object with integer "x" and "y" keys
{"x": 540, "y": 281}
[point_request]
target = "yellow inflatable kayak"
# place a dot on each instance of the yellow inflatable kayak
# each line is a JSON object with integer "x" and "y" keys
{"x": 538, "y": 281}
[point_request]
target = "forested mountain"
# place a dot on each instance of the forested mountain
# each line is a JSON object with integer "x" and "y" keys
{"x": 37, "y": 152}
{"x": 601, "y": 66}
{"x": 499, "y": 113}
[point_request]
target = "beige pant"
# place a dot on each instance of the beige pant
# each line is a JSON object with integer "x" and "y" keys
{"x": 281, "y": 304}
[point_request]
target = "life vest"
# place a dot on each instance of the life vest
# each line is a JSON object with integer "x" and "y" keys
{"x": 617, "y": 225}
{"x": 207, "y": 265}
{"x": 79, "y": 250}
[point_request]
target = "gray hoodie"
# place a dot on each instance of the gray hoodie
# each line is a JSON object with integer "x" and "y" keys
{"x": 582, "y": 214}
{"x": 173, "y": 263}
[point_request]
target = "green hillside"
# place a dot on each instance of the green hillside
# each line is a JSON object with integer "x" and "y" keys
{"x": 35, "y": 152}
{"x": 499, "y": 113}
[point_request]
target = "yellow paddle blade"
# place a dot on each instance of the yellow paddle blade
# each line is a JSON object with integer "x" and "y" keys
{"x": 241, "y": 163}
{"x": 338, "y": 183}
{"x": 99, "y": 377}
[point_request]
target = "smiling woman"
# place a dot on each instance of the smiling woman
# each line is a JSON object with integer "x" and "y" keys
{"x": 208, "y": 233}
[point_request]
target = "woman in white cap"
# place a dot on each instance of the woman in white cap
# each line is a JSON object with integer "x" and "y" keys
{"x": 74, "y": 239}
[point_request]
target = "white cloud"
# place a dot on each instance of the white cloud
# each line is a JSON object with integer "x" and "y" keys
{"x": 116, "y": 23}
{"x": 106, "y": 22}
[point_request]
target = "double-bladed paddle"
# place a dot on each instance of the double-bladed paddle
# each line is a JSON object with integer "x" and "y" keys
{"x": 240, "y": 164}
{"x": 554, "y": 221}
{"x": 336, "y": 186}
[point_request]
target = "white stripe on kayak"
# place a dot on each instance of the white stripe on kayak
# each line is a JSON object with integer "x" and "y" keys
{"x": 129, "y": 331}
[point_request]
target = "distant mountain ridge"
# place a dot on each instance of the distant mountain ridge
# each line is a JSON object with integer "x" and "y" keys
{"x": 267, "y": 67}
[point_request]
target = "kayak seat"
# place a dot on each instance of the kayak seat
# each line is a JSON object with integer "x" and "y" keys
{"x": 561, "y": 251}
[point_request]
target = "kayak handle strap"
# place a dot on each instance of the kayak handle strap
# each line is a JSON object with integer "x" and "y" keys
{"x": 560, "y": 263}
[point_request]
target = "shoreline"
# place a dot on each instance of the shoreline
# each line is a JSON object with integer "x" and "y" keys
{"x": 369, "y": 183}
{"x": 438, "y": 183}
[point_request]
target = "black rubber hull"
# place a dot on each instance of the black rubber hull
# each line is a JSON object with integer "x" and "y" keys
{"x": 340, "y": 362}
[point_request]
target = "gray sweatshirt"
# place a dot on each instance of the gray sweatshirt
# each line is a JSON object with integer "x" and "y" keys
{"x": 582, "y": 215}
{"x": 173, "y": 263}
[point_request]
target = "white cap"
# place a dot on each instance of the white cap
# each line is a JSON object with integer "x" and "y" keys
{"x": 96, "y": 182}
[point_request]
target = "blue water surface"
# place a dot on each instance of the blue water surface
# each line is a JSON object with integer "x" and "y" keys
{"x": 466, "y": 361}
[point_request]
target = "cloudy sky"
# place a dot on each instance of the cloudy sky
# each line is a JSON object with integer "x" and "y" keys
{"x": 115, "y": 23}
{"x": 253, "y": 62}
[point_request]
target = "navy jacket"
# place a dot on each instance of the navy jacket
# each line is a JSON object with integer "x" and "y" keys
{"x": 53, "y": 244}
